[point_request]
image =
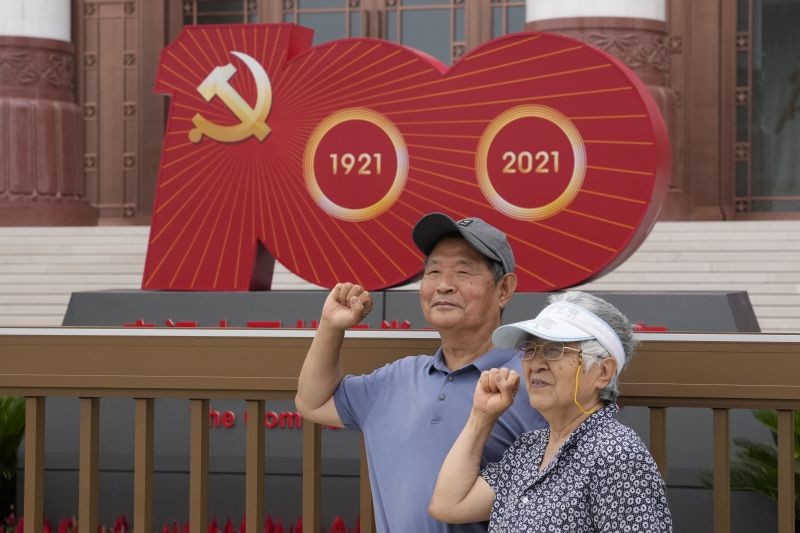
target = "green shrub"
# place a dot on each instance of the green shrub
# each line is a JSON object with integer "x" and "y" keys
{"x": 12, "y": 429}
{"x": 755, "y": 466}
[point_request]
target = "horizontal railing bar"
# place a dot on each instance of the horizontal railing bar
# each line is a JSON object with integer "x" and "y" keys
{"x": 147, "y": 382}
{"x": 230, "y": 332}
{"x": 710, "y": 392}
{"x": 183, "y": 394}
{"x": 707, "y": 403}
{"x": 308, "y": 333}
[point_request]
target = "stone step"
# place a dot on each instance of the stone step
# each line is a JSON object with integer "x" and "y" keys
{"x": 40, "y": 267}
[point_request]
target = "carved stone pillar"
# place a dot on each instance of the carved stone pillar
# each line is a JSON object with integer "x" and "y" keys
{"x": 636, "y": 33}
{"x": 41, "y": 171}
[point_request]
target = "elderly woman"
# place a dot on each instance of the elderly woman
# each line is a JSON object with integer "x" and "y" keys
{"x": 586, "y": 472}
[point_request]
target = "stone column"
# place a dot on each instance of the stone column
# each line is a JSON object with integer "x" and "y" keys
{"x": 41, "y": 170}
{"x": 635, "y": 31}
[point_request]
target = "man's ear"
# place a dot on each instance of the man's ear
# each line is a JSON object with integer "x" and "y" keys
{"x": 507, "y": 286}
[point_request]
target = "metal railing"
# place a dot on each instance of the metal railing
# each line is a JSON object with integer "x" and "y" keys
{"x": 712, "y": 371}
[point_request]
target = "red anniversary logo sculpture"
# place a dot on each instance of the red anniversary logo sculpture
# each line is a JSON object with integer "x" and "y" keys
{"x": 325, "y": 157}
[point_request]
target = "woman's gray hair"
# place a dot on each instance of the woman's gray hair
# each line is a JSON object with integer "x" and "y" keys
{"x": 593, "y": 351}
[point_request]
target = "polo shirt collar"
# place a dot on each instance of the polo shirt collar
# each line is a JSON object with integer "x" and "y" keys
{"x": 494, "y": 358}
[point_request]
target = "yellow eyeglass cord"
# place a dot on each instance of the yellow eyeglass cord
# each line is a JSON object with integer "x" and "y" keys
{"x": 575, "y": 396}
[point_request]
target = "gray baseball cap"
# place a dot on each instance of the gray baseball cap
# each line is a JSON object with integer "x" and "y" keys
{"x": 484, "y": 237}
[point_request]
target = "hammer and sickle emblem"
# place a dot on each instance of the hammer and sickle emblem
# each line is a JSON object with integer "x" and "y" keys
{"x": 251, "y": 119}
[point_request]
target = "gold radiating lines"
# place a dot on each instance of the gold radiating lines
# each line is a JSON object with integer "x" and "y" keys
{"x": 494, "y": 84}
{"x": 281, "y": 202}
{"x": 304, "y": 193}
{"x": 221, "y": 60}
{"x": 301, "y": 69}
{"x": 445, "y": 191}
{"x": 183, "y": 229}
{"x": 397, "y": 239}
{"x": 614, "y": 196}
{"x": 447, "y": 163}
{"x": 177, "y": 58}
{"x": 275, "y": 174}
{"x": 534, "y": 275}
{"x": 441, "y": 149}
{"x": 284, "y": 194}
{"x": 511, "y": 100}
{"x": 210, "y": 237}
{"x": 200, "y": 176}
{"x": 248, "y": 179}
{"x": 302, "y": 80}
{"x": 327, "y": 104}
{"x": 203, "y": 186}
{"x": 445, "y": 176}
{"x": 218, "y": 185}
{"x": 272, "y": 67}
{"x": 551, "y": 254}
{"x": 207, "y": 112}
{"x": 212, "y": 150}
{"x": 444, "y": 136}
{"x": 622, "y": 170}
{"x": 573, "y": 236}
{"x": 200, "y": 66}
{"x": 261, "y": 230}
{"x": 307, "y": 94}
{"x": 497, "y": 49}
{"x": 444, "y": 78}
{"x": 233, "y": 209}
{"x": 429, "y": 201}
{"x": 202, "y": 49}
{"x": 361, "y": 82}
{"x": 599, "y": 219}
{"x": 632, "y": 143}
{"x": 408, "y": 206}
{"x": 437, "y": 122}
{"x": 604, "y": 117}
{"x": 380, "y": 248}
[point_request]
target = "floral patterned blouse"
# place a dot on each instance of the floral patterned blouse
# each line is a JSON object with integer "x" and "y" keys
{"x": 601, "y": 479}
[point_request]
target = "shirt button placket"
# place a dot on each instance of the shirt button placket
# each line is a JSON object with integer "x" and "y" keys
{"x": 450, "y": 379}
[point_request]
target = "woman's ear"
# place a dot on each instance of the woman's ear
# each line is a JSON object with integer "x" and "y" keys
{"x": 607, "y": 369}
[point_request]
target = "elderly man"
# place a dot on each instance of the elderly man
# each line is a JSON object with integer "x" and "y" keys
{"x": 412, "y": 410}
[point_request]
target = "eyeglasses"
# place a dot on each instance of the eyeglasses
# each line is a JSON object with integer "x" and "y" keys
{"x": 550, "y": 350}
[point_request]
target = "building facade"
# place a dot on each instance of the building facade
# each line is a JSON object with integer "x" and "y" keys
{"x": 81, "y": 127}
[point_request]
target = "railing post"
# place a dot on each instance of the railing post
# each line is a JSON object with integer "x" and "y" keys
{"x": 312, "y": 447}
{"x": 786, "y": 488}
{"x": 143, "y": 466}
{"x": 198, "y": 467}
{"x": 254, "y": 471}
{"x": 366, "y": 513}
{"x": 658, "y": 438}
{"x": 89, "y": 457}
{"x": 722, "y": 472}
{"x": 34, "y": 463}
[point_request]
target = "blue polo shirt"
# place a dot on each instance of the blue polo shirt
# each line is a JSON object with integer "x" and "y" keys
{"x": 411, "y": 411}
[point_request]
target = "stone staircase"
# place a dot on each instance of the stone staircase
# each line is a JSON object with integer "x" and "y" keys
{"x": 41, "y": 266}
